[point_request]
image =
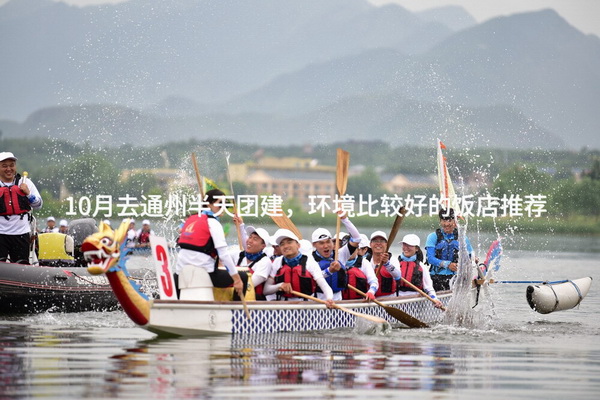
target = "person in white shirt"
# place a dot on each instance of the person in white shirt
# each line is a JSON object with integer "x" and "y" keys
{"x": 203, "y": 245}
{"x": 255, "y": 257}
{"x": 294, "y": 271}
{"x": 19, "y": 197}
{"x": 50, "y": 225}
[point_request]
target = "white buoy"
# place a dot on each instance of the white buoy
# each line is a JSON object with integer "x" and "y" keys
{"x": 547, "y": 298}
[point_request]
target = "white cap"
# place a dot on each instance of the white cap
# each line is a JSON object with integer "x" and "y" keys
{"x": 262, "y": 233}
{"x": 282, "y": 234}
{"x": 380, "y": 234}
{"x": 107, "y": 222}
{"x": 7, "y": 155}
{"x": 50, "y": 219}
{"x": 364, "y": 241}
{"x": 63, "y": 222}
{"x": 146, "y": 222}
{"x": 320, "y": 234}
{"x": 130, "y": 220}
{"x": 411, "y": 239}
{"x": 306, "y": 247}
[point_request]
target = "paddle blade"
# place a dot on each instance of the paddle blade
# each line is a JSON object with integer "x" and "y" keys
{"x": 284, "y": 222}
{"x": 405, "y": 318}
{"x": 341, "y": 175}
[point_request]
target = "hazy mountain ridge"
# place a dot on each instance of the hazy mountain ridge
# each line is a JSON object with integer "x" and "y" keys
{"x": 318, "y": 70}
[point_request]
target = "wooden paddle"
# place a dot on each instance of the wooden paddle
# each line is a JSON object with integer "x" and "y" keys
{"x": 400, "y": 315}
{"x": 284, "y": 222}
{"x": 422, "y": 293}
{"x": 198, "y": 178}
{"x": 371, "y": 318}
{"x": 341, "y": 182}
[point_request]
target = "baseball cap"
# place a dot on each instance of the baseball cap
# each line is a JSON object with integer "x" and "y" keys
{"x": 411, "y": 239}
{"x": 364, "y": 241}
{"x": 146, "y": 222}
{"x": 284, "y": 233}
{"x": 262, "y": 233}
{"x": 63, "y": 222}
{"x": 320, "y": 234}
{"x": 50, "y": 219}
{"x": 7, "y": 155}
{"x": 380, "y": 234}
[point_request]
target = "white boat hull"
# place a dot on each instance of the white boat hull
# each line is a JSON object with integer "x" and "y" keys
{"x": 197, "y": 318}
{"x": 547, "y": 298}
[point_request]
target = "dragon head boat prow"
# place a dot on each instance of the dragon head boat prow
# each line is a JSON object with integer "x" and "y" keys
{"x": 101, "y": 250}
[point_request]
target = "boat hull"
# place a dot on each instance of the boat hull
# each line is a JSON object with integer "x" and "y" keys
{"x": 547, "y": 298}
{"x": 201, "y": 318}
{"x": 34, "y": 289}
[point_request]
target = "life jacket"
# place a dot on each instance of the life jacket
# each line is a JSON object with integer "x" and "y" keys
{"x": 55, "y": 246}
{"x": 387, "y": 283}
{"x": 412, "y": 271}
{"x": 298, "y": 276}
{"x": 446, "y": 249}
{"x": 337, "y": 280}
{"x": 144, "y": 237}
{"x": 258, "y": 290}
{"x": 13, "y": 201}
{"x": 195, "y": 235}
{"x": 356, "y": 278}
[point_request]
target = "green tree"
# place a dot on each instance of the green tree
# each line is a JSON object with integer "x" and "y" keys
{"x": 521, "y": 180}
{"x": 368, "y": 182}
{"x": 91, "y": 175}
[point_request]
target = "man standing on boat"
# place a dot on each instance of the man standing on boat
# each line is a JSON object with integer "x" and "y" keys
{"x": 18, "y": 197}
{"x": 442, "y": 250}
{"x": 294, "y": 271}
{"x": 203, "y": 245}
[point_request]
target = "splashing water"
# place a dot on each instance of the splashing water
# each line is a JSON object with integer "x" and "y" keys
{"x": 460, "y": 311}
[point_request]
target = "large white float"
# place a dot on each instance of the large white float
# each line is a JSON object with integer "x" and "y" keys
{"x": 549, "y": 297}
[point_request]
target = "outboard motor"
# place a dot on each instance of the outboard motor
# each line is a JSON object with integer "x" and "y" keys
{"x": 79, "y": 229}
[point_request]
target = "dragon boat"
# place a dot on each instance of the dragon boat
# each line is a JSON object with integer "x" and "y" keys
{"x": 187, "y": 317}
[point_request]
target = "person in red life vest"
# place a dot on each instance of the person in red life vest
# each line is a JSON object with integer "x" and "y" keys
{"x": 361, "y": 273}
{"x": 413, "y": 269}
{"x": 142, "y": 236}
{"x": 203, "y": 245}
{"x": 295, "y": 271}
{"x": 18, "y": 196}
{"x": 255, "y": 257}
{"x": 387, "y": 269}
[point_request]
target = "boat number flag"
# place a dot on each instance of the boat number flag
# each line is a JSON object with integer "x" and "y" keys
{"x": 160, "y": 254}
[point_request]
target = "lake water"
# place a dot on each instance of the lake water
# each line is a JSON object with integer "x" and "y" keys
{"x": 519, "y": 354}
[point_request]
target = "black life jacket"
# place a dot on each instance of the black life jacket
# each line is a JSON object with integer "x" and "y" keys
{"x": 258, "y": 290}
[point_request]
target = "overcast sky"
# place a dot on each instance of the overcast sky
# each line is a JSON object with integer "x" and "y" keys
{"x": 583, "y": 14}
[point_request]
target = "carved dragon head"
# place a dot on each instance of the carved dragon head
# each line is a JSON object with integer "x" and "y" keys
{"x": 101, "y": 250}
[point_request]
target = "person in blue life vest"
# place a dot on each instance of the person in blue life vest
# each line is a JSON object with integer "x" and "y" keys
{"x": 202, "y": 245}
{"x": 255, "y": 256}
{"x": 387, "y": 269}
{"x": 18, "y": 197}
{"x": 334, "y": 270}
{"x": 295, "y": 271}
{"x": 413, "y": 269}
{"x": 361, "y": 273}
{"x": 442, "y": 250}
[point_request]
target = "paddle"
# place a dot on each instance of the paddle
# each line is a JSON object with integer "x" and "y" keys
{"x": 371, "y": 318}
{"x": 400, "y": 315}
{"x": 422, "y": 293}
{"x": 341, "y": 182}
{"x": 198, "y": 179}
{"x": 284, "y": 222}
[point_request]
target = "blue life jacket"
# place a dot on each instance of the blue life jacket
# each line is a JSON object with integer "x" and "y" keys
{"x": 338, "y": 280}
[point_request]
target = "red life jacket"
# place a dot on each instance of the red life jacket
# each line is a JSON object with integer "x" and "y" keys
{"x": 195, "y": 235}
{"x": 144, "y": 237}
{"x": 387, "y": 283}
{"x": 300, "y": 279}
{"x": 412, "y": 272}
{"x": 358, "y": 279}
{"x": 258, "y": 290}
{"x": 13, "y": 201}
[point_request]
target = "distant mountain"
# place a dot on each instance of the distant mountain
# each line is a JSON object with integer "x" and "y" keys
{"x": 150, "y": 71}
